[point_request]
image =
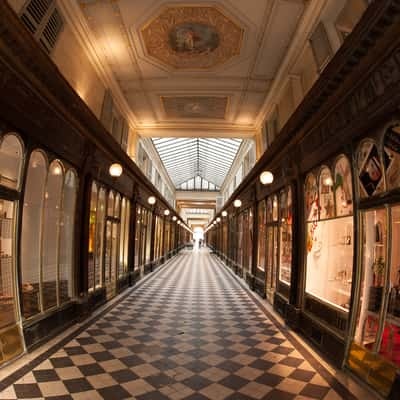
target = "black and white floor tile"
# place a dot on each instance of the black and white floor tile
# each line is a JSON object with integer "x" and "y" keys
{"x": 189, "y": 332}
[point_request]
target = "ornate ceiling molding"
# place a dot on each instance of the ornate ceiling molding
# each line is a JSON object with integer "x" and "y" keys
{"x": 192, "y": 37}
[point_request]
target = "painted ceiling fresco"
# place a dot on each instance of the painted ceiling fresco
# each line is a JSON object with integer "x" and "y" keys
{"x": 213, "y": 107}
{"x": 188, "y": 37}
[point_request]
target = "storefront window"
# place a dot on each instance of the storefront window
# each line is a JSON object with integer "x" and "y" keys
{"x": 51, "y": 230}
{"x": 148, "y": 238}
{"x": 126, "y": 236}
{"x": 138, "y": 231}
{"x": 329, "y": 243}
{"x": 99, "y": 245}
{"x": 390, "y": 344}
{"x": 286, "y": 231}
{"x": 11, "y": 157}
{"x": 67, "y": 237}
{"x": 262, "y": 220}
{"x": 31, "y": 233}
{"x": 8, "y": 314}
{"x": 122, "y": 239}
{"x": 92, "y": 236}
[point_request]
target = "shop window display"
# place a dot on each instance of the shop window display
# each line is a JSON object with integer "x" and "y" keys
{"x": 272, "y": 246}
{"x": 262, "y": 220}
{"x": 11, "y": 162}
{"x": 31, "y": 233}
{"x": 67, "y": 237}
{"x": 92, "y": 236}
{"x": 329, "y": 235}
{"x": 47, "y": 235}
{"x": 51, "y": 231}
{"x": 285, "y": 236}
{"x": 99, "y": 237}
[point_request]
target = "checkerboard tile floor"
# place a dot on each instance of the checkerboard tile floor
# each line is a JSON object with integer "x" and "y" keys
{"x": 189, "y": 332}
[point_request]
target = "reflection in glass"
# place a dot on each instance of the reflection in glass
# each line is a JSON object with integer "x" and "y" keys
{"x": 11, "y": 155}
{"x": 51, "y": 230}
{"x": 67, "y": 238}
{"x": 31, "y": 234}
{"x": 7, "y": 295}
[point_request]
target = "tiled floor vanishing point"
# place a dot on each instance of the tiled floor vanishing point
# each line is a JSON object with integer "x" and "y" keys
{"x": 189, "y": 332}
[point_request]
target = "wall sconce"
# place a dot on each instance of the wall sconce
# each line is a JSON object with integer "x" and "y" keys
{"x": 174, "y": 218}
{"x": 218, "y": 219}
{"x": 224, "y": 213}
{"x": 115, "y": 170}
{"x": 151, "y": 200}
{"x": 237, "y": 203}
{"x": 266, "y": 177}
{"x": 166, "y": 212}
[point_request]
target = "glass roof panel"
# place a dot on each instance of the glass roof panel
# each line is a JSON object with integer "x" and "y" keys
{"x": 188, "y": 158}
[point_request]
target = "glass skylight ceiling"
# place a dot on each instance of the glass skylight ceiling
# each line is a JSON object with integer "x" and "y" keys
{"x": 189, "y": 159}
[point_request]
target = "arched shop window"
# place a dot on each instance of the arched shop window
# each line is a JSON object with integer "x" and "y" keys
{"x": 391, "y": 156}
{"x": 31, "y": 233}
{"x": 51, "y": 231}
{"x": 343, "y": 187}
{"x": 66, "y": 261}
{"x": 47, "y": 235}
{"x": 11, "y": 161}
{"x": 370, "y": 169}
{"x": 329, "y": 235}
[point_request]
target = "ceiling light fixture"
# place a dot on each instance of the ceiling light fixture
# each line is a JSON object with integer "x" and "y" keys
{"x": 166, "y": 212}
{"x": 237, "y": 203}
{"x": 266, "y": 177}
{"x": 224, "y": 213}
{"x": 174, "y": 218}
{"x": 218, "y": 219}
{"x": 115, "y": 170}
{"x": 151, "y": 200}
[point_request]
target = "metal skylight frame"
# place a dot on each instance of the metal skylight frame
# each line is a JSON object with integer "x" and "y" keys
{"x": 186, "y": 158}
